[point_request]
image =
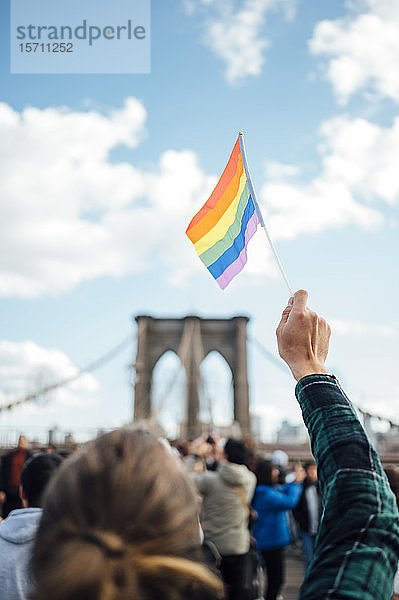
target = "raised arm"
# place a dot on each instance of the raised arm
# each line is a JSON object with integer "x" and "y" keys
{"x": 357, "y": 547}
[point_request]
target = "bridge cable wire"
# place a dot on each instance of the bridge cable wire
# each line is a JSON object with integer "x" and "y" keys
{"x": 277, "y": 362}
{"x": 182, "y": 352}
{"x": 93, "y": 366}
{"x": 281, "y": 365}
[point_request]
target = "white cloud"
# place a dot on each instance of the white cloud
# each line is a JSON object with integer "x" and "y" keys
{"x": 362, "y": 50}
{"x": 275, "y": 170}
{"x": 358, "y": 328}
{"x": 320, "y": 205}
{"x": 26, "y": 367}
{"x": 236, "y": 34}
{"x": 363, "y": 156}
{"x": 359, "y": 172}
{"x": 69, "y": 214}
{"x": 192, "y": 5}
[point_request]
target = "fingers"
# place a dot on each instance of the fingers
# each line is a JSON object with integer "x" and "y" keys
{"x": 325, "y": 326}
{"x": 300, "y": 300}
{"x": 323, "y": 338}
{"x": 284, "y": 318}
{"x": 297, "y": 301}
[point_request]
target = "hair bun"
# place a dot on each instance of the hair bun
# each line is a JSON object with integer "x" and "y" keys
{"x": 110, "y": 543}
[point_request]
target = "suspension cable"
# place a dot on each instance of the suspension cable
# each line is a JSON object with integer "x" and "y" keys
{"x": 93, "y": 366}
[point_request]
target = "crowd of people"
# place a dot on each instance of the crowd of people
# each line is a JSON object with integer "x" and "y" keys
{"x": 252, "y": 502}
{"x": 129, "y": 517}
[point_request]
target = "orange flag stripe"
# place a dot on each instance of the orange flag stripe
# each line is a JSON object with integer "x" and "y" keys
{"x": 215, "y": 214}
{"x": 220, "y": 188}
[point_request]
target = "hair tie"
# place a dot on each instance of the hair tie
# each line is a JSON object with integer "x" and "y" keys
{"x": 111, "y": 544}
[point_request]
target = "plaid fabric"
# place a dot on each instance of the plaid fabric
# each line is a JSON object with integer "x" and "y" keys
{"x": 357, "y": 546}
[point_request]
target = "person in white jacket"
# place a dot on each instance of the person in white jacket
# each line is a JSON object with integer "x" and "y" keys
{"x": 18, "y": 530}
{"x": 226, "y": 494}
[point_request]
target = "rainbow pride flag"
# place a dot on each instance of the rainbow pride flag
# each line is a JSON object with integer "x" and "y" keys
{"x": 221, "y": 230}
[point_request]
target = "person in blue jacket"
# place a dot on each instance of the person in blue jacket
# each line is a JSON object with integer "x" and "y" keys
{"x": 271, "y": 530}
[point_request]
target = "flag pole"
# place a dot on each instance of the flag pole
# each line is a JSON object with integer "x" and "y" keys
{"x": 260, "y": 216}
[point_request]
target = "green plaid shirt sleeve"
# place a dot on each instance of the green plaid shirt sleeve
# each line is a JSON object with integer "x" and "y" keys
{"x": 357, "y": 546}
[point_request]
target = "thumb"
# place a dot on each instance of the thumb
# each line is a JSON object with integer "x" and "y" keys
{"x": 300, "y": 299}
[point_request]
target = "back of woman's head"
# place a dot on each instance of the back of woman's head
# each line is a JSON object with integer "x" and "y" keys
{"x": 264, "y": 472}
{"x": 120, "y": 522}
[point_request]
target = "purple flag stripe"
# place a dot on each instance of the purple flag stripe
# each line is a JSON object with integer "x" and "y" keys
{"x": 240, "y": 261}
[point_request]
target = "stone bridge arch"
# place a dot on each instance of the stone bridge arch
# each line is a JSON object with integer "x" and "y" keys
{"x": 192, "y": 338}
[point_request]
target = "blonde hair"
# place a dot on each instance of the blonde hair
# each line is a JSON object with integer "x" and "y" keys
{"x": 120, "y": 522}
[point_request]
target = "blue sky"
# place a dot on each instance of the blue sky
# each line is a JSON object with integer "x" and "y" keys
{"x": 100, "y": 175}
